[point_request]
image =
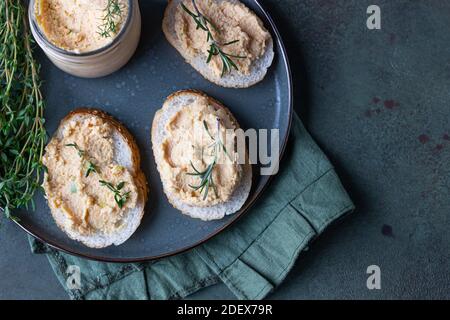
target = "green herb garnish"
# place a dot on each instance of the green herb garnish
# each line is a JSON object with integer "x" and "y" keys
{"x": 206, "y": 177}
{"x": 22, "y": 132}
{"x": 217, "y": 141}
{"x": 74, "y": 145}
{"x": 119, "y": 197}
{"x": 81, "y": 153}
{"x": 215, "y": 48}
{"x": 113, "y": 11}
{"x": 91, "y": 168}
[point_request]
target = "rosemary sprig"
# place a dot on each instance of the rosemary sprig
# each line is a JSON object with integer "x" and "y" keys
{"x": 215, "y": 48}
{"x": 119, "y": 197}
{"x": 113, "y": 11}
{"x": 22, "y": 132}
{"x": 206, "y": 177}
{"x": 82, "y": 154}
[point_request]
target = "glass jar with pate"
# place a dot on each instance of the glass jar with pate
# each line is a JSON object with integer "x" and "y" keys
{"x": 86, "y": 38}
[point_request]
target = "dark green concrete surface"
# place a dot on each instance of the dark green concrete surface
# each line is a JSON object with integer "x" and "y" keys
{"x": 378, "y": 103}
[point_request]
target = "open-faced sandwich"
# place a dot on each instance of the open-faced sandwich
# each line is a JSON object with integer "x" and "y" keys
{"x": 194, "y": 144}
{"x": 94, "y": 185}
{"x": 222, "y": 39}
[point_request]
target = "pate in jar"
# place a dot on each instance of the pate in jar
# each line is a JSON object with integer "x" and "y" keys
{"x": 86, "y": 38}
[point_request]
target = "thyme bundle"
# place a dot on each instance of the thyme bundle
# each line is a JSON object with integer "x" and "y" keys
{"x": 22, "y": 132}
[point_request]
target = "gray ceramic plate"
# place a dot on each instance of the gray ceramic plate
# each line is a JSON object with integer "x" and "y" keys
{"x": 132, "y": 95}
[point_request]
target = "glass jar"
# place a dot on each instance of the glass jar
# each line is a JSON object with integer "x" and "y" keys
{"x": 99, "y": 62}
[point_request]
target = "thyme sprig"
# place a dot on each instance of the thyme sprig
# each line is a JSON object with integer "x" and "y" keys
{"x": 113, "y": 11}
{"x": 91, "y": 168}
{"x": 82, "y": 154}
{"x": 22, "y": 132}
{"x": 206, "y": 176}
{"x": 119, "y": 197}
{"x": 215, "y": 48}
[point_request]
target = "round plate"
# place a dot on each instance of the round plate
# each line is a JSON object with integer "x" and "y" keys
{"x": 132, "y": 95}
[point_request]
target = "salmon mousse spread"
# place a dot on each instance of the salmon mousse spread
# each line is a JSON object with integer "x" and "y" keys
{"x": 230, "y": 34}
{"x": 81, "y": 25}
{"x": 84, "y": 182}
{"x": 197, "y": 164}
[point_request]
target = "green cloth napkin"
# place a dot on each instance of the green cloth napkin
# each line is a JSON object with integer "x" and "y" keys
{"x": 251, "y": 257}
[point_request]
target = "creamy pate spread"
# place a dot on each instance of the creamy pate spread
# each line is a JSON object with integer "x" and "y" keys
{"x": 77, "y": 25}
{"x": 192, "y": 134}
{"x": 89, "y": 205}
{"x": 231, "y": 21}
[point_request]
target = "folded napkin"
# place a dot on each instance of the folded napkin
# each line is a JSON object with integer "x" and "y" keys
{"x": 251, "y": 257}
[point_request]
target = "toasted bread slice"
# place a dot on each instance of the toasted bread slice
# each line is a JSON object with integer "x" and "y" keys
{"x": 171, "y": 106}
{"x": 127, "y": 155}
{"x": 234, "y": 79}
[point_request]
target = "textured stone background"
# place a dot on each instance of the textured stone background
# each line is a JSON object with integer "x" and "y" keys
{"x": 378, "y": 103}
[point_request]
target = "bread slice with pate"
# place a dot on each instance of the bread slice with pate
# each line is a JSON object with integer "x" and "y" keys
{"x": 172, "y": 105}
{"x": 125, "y": 157}
{"x": 232, "y": 79}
